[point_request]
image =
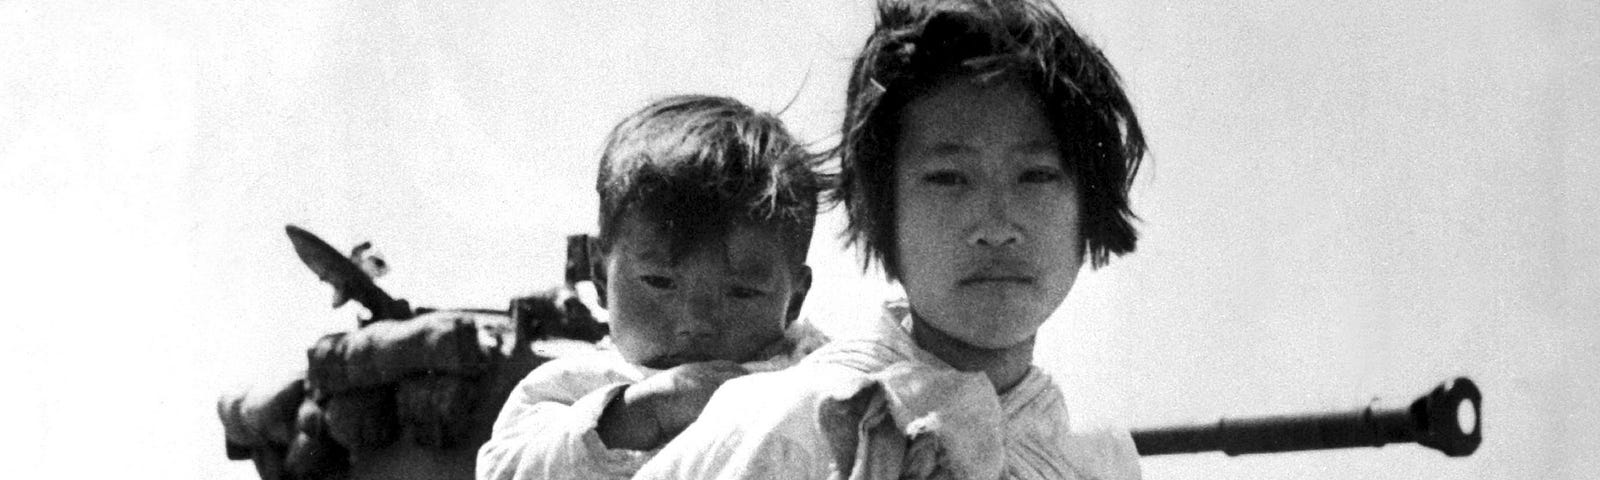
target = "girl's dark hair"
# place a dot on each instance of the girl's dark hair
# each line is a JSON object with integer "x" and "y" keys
{"x": 694, "y": 165}
{"x": 919, "y": 43}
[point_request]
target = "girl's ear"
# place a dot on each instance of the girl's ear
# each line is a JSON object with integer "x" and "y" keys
{"x": 597, "y": 270}
{"x": 797, "y": 296}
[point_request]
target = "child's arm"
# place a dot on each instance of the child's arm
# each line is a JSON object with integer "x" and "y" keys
{"x": 649, "y": 413}
{"x": 547, "y": 430}
{"x": 759, "y": 426}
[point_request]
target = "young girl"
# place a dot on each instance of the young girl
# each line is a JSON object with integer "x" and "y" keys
{"x": 988, "y": 149}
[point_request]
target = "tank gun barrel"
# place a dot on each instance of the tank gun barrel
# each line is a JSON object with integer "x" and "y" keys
{"x": 1445, "y": 419}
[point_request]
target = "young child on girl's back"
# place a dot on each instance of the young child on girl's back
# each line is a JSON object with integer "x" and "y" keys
{"x": 706, "y": 213}
{"x": 987, "y": 152}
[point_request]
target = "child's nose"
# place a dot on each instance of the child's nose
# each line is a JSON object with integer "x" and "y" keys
{"x": 995, "y": 227}
{"x": 698, "y": 318}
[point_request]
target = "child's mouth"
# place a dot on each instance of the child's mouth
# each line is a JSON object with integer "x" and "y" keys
{"x": 1000, "y": 272}
{"x": 996, "y": 280}
{"x": 673, "y": 360}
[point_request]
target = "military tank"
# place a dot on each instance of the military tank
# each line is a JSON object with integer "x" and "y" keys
{"x": 413, "y": 393}
{"x": 408, "y": 393}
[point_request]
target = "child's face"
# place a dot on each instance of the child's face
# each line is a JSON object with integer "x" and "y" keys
{"x": 725, "y": 300}
{"x": 987, "y": 219}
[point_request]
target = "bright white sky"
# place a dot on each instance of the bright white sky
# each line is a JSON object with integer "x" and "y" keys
{"x": 1342, "y": 202}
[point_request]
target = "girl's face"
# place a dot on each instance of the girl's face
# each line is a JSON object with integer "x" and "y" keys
{"x": 987, "y": 219}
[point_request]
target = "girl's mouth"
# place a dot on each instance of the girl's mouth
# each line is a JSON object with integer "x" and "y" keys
{"x": 996, "y": 279}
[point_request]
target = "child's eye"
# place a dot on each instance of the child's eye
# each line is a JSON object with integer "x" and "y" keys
{"x": 1042, "y": 175}
{"x": 657, "y": 281}
{"x": 743, "y": 293}
{"x": 945, "y": 177}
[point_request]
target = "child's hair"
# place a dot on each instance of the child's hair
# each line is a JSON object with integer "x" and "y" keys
{"x": 696, "y": 165}
{"x": 917, "y": 44}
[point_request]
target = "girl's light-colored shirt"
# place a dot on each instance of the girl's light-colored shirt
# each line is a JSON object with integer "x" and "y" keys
{"x": 880, "y": 407}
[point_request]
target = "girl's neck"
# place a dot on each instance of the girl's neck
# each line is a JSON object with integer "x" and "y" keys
{"x": 1005, "y": 366}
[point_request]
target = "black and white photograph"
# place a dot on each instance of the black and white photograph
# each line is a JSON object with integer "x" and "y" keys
{"x": 800, "y": 239}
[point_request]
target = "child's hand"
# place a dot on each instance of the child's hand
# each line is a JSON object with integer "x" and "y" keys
{"x": 651, "y": 412}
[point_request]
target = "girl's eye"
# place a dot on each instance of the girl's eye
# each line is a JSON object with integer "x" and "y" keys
{"x": 656, "y": 281}
{"x": 743, "y": 293}
{"x": 1042, "y": 175}
{"x": 944, "y": 178}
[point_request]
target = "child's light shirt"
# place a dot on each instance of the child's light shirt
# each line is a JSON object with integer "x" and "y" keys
{"x": 546, "y": 430}
{"x": 881, "y": 407}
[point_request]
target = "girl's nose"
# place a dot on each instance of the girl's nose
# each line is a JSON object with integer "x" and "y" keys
{"x": 994, "y": 225}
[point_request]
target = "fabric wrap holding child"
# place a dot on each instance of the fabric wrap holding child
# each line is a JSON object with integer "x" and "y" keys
{"x": 937, "y": 416}
{"x": 886, "y": 409}
{"x": 393, "y": 399}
